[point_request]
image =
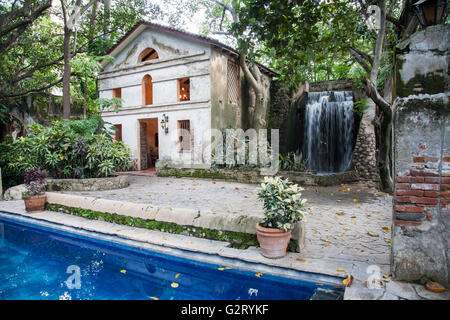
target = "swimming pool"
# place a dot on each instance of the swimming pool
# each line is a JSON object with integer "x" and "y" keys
{"x": 43, "y": 261}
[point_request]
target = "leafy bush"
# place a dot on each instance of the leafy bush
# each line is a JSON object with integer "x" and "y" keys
{"x": 283, "y": 205}
{"x": 67, "y": 149}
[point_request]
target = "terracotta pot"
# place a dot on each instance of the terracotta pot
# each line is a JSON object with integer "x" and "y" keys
{"x": 35, "y": 203}
{"x": 273, "y": 242}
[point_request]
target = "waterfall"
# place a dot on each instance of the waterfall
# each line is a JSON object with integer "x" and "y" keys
{"x": 328, "y": 131}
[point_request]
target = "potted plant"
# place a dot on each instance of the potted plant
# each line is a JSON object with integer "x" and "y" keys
{"x": 283, "y": 207}
{"x": 34, "y": 197}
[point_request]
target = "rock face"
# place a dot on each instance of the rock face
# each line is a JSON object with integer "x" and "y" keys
{"x": 421, "y": 231}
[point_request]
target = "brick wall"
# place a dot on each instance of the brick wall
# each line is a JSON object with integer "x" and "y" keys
{"x": 421, "y": 188}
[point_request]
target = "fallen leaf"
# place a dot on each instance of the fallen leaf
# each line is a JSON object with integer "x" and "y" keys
{"x": 355, "y": 200}
{"x": 348, "y": 281}
{"x": 123, "y": 271}
{"x": 177, "y": 275}
{"x": 386, "y": 229}
{"x": 302, "y": 260}
{"x": 372, "y": 234}
{"x": 221, "y": 269}
{"x": 346, "y": 228}
{"x": 174, "y": 285}
{"x": 154, "y": 298}
{"x": 358, "y": 207}
{"x": 386, "y": 276}
{"x": 259, "y": 275}
{"x": 213, "y": 182}
{"x": 236, "y": 188}
{"x": 340, "y": 213}
{"x": 434, "y": 287}
{"x": 369, "y": 215}
{"x": 228, "y": 268}
{"x": 340, "y": 270}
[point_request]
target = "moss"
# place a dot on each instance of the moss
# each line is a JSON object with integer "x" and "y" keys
{"x": 238, "y": 240}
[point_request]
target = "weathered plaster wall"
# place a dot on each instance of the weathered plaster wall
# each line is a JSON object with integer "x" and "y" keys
{"x": 421, "y": 230}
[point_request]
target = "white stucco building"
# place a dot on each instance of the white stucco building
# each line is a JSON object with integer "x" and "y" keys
{"x": 175, "y": 79}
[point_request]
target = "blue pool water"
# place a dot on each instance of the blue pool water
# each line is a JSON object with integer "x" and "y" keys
{"x": 38, "y": 262}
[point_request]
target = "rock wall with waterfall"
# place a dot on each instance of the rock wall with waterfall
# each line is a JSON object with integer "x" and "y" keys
{"x": 329, "y": 131}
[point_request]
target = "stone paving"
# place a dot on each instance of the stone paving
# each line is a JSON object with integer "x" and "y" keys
{"x": 345, "y": 222}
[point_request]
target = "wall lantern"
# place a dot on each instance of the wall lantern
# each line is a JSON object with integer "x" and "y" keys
{"x": 430, "y": 12}
{"x": 164, "y": 123}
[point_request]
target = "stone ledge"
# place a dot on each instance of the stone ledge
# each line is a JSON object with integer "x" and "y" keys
{"x": 179, "y": 216}
{"x": 91, "y": 184}
{"x": 254, "y": 176}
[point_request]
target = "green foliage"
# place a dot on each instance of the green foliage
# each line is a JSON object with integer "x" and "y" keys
{"x": 283, "y": 205}
{"x": 67, "y": 149}
{"x": 290, "y": 162}
{"x": 361, "y": 106}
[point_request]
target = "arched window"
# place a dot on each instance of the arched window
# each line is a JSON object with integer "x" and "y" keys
{"x": 147, "y": 90}
{"x": 148, "y": 54}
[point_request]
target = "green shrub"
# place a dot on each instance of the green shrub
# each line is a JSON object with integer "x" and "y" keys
{"x": 67, "y": 149}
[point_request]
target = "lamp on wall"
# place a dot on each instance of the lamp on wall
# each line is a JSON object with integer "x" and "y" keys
{"x": 164, "y": 123}
{"x": 430, "y": 12}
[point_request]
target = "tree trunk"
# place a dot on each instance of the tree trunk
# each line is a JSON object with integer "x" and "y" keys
{"x": 66, "y": 75}
{"x": 84, "y": 100}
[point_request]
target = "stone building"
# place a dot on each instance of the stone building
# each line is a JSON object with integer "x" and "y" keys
{"x": 174, "y": 87}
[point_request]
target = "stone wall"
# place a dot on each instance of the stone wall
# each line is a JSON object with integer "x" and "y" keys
{"x": 421, "y": 233}
{"x": 93, "y": 184}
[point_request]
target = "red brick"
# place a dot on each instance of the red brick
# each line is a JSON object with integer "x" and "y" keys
{"x": 401, "y": 179}
{"x": 431, "y": 180}
{"x": 445, "y": 194}
{"x": 446, "y": 159}
{"x": 419, "y": 159}
{"x": 425, "y": 186}
{"x": 445, "y": 180}
{"x": 402, "y": 186}
{"x": 424, "y": 200}
{"x": 407, "y": 223}
{"x": 424, "y": 173}
{"x": 402, "y": 199}
{"x": 431, "y": 193}
{"x": 445, "y": 187}
{"x": 409, "y": 209}
{"x": 417, "y": 193}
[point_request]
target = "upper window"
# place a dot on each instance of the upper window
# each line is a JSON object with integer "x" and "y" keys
{"x": 117, "y": 93}
{"x": 147, "y": 90}
{"x": 184, "y": 135}
{"x": 184, "y": 89}
{"x": 233, "y": 82}
{"x": 148, "y": 54}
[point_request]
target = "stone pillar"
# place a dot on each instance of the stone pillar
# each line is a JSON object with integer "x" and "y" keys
{"x": 421, "y": 154}
{"x": 364, "y": 161}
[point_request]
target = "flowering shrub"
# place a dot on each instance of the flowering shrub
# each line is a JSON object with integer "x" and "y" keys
{"x": 35, "y": 181}
{"x": 283, "y": 205}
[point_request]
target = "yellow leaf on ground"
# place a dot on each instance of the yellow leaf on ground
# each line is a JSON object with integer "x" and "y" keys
{"x": 228, "y": 268}
{"x": 340, "y": 213}
{"x": 177, "y": 275}
{"x": 221, "y": 269}
{"x": 369, "y": 215}
{"x": 154, "y": 298}
{"x": 386, "y": 276}
{"x": 123, "y": 271}
{"x": 259, "y": 275}
{"x": 213, "y": 182}
{"x": 174, "y": 285}
{"x": 348, "y": 281}
{"x": 355, "y": 200}
{"x": 340, "y": 270}
{"x": 386, "y": 229}
{"x": 302, "y": 260}
{"x": 346, "y": 228}
{"x": 372, "y": 234}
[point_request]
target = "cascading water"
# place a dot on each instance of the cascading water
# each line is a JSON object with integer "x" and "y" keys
{"x": 328, "y": 131}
